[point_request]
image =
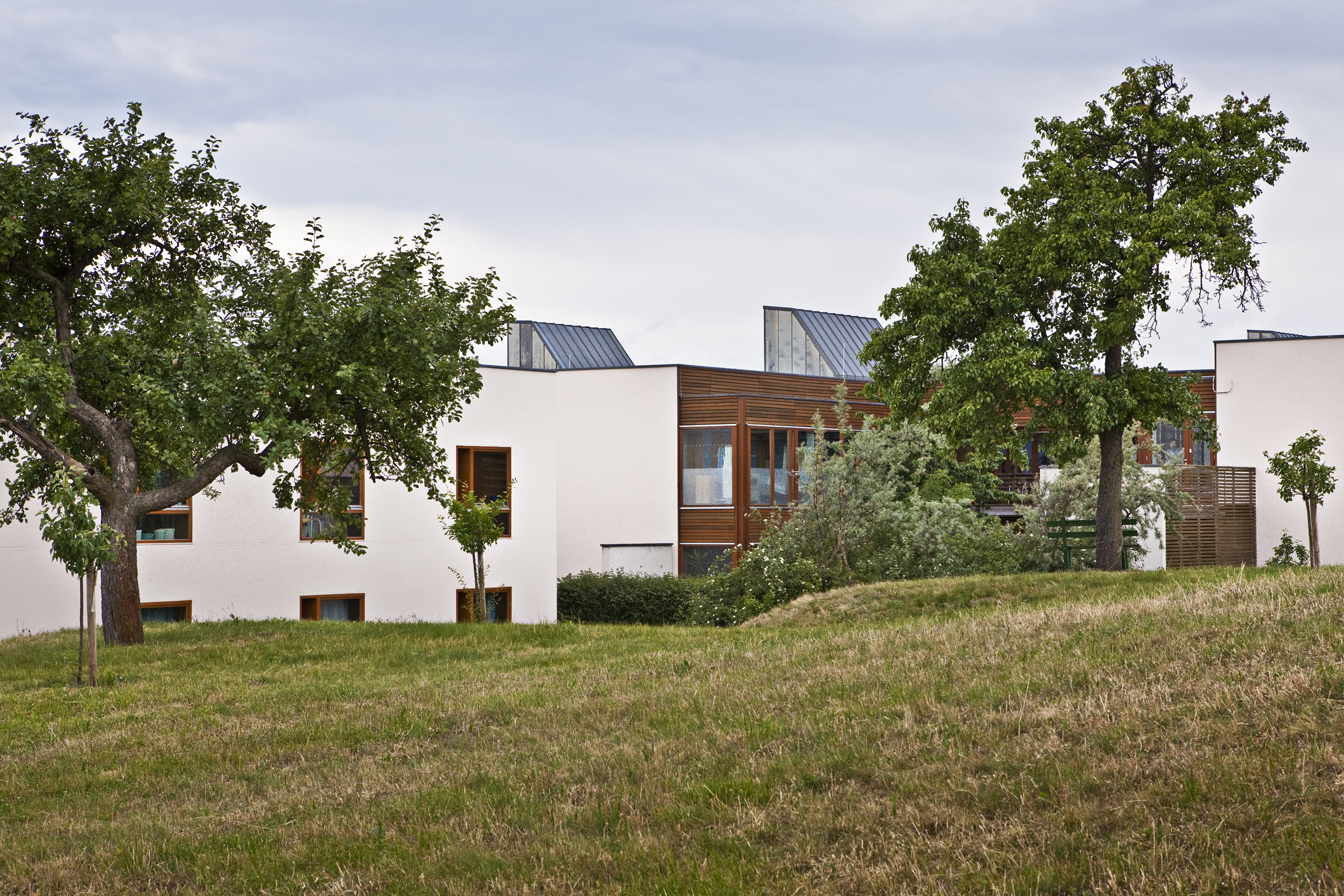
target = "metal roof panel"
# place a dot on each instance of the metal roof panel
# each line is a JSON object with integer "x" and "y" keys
{"x": 839, "y": 337}
{"x": 582, "y": 348}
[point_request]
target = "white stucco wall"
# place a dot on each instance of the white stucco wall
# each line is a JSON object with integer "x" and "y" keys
{"x": 246, "y": 558}
{"x": 616, "y": 457}
{"x": 1270, "y": 392}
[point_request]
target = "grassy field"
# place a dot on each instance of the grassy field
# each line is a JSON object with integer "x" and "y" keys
{"x": 1144, "y": 733}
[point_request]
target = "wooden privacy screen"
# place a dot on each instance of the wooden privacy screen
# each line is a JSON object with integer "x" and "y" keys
{"x": 1219, "y": 524}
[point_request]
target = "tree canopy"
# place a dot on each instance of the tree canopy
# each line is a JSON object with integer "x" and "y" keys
{"x": 151, "y": 339}
{"x": 1046, "y": 318}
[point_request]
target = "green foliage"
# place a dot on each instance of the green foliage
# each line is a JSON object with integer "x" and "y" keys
{"x": 1073, "y": 276}
{"x": 474, "y": 524}
{"x": 1018, "y": 320}
{"x": 1301, "y": 470}
{"x": 1146, "y": 496}
{"x": 78, "y": 542}
{"x": 1289, "y": 552}
{"x": 888, "y": 501}
{"x": 622, "y": 598}
{"x": 151, "y": 339}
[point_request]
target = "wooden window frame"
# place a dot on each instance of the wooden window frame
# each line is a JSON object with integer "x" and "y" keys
{"x": 317, "y": 605}
{"x": 507, "y": 590}
{"x": 681, "y": 465}
{"x": 359, "y": 511}
{"x": 165, "y": 604}
{"x": 467, "y": 481}
{"x": 175, "y": 509}
{"x": 790, "y": 464}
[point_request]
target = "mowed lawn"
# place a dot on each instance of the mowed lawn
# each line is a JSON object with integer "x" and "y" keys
{"x": 1138, "y": 733}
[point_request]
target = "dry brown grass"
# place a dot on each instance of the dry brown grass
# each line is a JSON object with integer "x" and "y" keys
{"x": 1188, "y": 739}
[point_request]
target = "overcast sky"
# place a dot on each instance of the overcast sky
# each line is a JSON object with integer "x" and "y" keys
{"x": 667, "y": 168}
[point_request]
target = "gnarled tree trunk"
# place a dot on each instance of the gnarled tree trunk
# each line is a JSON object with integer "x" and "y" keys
{"x": 121, "y": 584}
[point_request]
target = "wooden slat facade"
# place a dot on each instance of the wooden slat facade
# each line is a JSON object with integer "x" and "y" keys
{"x": 1219, "y": 524}
{"x": 743, "y": 400}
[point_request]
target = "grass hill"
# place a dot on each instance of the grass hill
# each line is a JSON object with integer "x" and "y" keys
{"x": 1139, "y": 733}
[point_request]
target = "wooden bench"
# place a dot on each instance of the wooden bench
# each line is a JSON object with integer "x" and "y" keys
{"x": 1082, "y": 530}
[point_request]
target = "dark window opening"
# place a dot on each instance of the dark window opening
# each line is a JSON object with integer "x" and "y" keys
{"x": 488, "y": 474}
{"x": 166, "y": 611}
{"x": 333, "y": 608}
{"x": 703, "y": 559}
{"x": 314, "y": 525}
{"x": 498, "y": 604}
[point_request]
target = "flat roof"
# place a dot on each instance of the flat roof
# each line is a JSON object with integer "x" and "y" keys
{"x": 1276, "y": 341}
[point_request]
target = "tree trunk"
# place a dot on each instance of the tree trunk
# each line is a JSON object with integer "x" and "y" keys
{"x": 121, "y": 585}
{"x": 91, "y": 579}
{"x": 1110, "y": 510}
{"x": 478, "y": 599}
{"x": 79, "y": 665}
{"x": 1312, "y": 540}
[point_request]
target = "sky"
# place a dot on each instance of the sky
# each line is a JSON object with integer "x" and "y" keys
{"x": 667, "y": 168}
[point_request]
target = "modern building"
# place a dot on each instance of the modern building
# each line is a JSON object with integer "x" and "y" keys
{"x": 654, "y": 469}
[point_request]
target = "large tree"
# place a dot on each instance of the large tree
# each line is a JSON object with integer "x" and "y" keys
{"x": 151, "y": 339}
{"x": 1048, "y": 313}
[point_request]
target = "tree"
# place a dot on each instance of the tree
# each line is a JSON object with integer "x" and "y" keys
{"x": 475, "y": 526}
{"x": 80, "y": 544}
{"x": 1145, "y": 496}
{"x": 1302, "y": 473}
{"x": 151, "y": 339}
{"x": 1047, "y": 315}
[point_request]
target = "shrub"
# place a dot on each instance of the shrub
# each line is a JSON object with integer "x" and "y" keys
{"x": 1289, "y": 552}
{"x": 622, "y": 598}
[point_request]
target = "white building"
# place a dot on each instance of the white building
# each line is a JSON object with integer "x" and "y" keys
{"x": 650, "y": 469}
{"x": 1272, "y": 388}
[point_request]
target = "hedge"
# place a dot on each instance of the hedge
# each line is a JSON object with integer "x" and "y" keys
{"x": 622, "y": 598}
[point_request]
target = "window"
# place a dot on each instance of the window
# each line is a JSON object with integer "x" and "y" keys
{"x": 769, "y": 467}
{"x": 169, "y": 524}
{"x": 1168, "y": 444}
{"x": 1171, "y": 444}
{"x": 498, "y": 604}
{"x": 702, "y": 559}
{"x": 488, "y": 473}
{"x": 807, "y": 441}
{"x": 332, "y": 607}
{"x": 312, "y": 525}
{"x": 707, "y": 467}
{"x": 166, "y": 611}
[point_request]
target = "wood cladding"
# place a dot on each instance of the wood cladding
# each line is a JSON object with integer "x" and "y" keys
{"x": 1218, "y": 528}
{"x": 743, "y": 399}
{"x": 710, "y": 395}
{"x": 717, "y": 525}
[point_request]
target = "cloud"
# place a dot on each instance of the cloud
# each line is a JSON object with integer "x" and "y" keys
{"x": 666, "y": 168}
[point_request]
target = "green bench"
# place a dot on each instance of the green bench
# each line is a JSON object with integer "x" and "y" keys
{"x": 1083, "y": 530}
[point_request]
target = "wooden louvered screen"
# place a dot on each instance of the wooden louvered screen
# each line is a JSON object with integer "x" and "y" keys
{"x": 1219, "y": 524}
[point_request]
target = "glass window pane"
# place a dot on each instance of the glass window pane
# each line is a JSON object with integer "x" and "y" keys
{"x": 760, "y": 466}
{"x": 341, "y": 609}
{"x": 1200, "y": 454}
{"x": 781, "y": 466}
{"x": 490, "y": 474}
{"x": 1168, "y": 444}
{"x": 707, "y": 466}
{"x": 163, "y": 527}
{"x": 163, "y": 614}
{"x": 701, "y": 560}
